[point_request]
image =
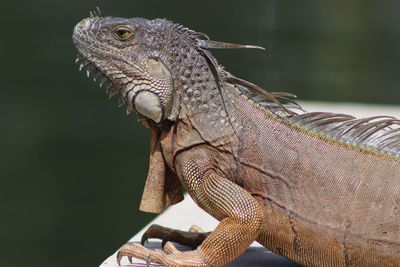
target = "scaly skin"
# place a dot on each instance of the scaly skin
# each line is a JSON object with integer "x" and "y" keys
{"x": 264, "y": 172}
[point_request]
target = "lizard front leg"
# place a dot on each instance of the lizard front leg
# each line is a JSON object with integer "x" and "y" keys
{"x": 240, "y": 215}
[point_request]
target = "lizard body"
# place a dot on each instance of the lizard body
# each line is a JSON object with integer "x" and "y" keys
{"x": 321, "y": 189}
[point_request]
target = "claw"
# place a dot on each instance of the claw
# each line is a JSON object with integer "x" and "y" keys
{"x": 163, "y": 242}
{"x": 119, "y": 257}
{"x": 170, "y": 248}
{"x": 149, "y": 260}
{"x": 144, "y": 237}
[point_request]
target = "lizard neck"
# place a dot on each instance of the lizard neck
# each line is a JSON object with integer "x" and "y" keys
{"x": 195, "y": 79}
{"x": 198, "y": 94}
{"x": 194, "y": 82}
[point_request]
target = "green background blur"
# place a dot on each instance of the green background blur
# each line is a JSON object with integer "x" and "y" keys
{"x": 72, "y": 165}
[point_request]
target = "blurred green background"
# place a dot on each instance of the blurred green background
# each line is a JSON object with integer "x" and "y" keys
{"x": 73, "y": 165}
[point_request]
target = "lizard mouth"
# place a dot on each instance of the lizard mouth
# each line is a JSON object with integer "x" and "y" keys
{"x": 93, "y": 72}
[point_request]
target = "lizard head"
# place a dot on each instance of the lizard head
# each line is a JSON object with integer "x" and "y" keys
{"x": 150, "y": 63}
{"x": 123, "y": 55}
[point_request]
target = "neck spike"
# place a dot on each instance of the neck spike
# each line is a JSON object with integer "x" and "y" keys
{"x": 208, "y": 44}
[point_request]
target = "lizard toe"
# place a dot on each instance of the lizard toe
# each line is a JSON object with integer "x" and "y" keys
{"x": 132, "y": 250}
{"x": 157, "y": 256}
{"x": 195, "y": 229}
{"x": 169, "y": 247}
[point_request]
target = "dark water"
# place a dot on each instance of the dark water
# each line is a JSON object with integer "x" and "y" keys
{"x": 72, "y": 165}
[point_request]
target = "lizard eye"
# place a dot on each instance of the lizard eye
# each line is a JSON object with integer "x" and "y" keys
{"x": 123, "y": 34}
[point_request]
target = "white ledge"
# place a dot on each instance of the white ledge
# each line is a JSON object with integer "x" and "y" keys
{"x": 186, "y": 213}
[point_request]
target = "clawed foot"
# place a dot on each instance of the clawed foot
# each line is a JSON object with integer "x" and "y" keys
{"x": 192, "y": 238}
{"x": 170, "y": 256}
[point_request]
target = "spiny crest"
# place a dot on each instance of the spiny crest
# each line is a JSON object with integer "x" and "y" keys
{"x": 380, "y": 133}
{"x": 271, "y": 101}
{"x": 279, "y": 103}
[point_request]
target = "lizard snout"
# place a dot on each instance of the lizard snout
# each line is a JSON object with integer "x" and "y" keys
{"x": 82, "y": 25}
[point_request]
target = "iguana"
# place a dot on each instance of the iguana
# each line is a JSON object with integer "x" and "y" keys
{"x": 320, "y": 189}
